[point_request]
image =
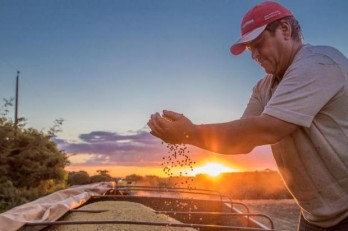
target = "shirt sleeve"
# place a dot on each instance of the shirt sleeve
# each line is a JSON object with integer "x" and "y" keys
{"x": 307, "y": 86}
{"x": 260, "y": 96}
{"x": 254, "y": 106}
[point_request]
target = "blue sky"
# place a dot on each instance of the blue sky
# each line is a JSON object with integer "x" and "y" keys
{"x": 105, "y": 66}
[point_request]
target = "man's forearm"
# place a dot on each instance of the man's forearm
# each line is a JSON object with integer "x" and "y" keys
{"x": 239, "y": 136}
{"x": 234, "y": 137}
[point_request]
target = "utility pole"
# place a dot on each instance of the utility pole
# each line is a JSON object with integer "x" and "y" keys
{"x": 16, "y": 106}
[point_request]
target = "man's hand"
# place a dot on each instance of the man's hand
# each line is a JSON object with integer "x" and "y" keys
{"x": 171, "y": 127}
{"x": 234, "y": 137}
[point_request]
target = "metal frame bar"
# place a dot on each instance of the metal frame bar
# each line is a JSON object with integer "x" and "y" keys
{"x": 217, "y": 227}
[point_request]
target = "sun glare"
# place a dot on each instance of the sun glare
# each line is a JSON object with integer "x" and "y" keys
{"x": 213, "y": 169}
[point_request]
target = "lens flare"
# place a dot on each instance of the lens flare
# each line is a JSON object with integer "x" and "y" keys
{"x": 213, "y": 169}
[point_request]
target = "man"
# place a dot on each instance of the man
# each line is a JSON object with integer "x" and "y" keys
{"x": 300, "y": 108}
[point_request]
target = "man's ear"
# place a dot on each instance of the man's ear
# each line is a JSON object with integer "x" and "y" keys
{"x": 286, "y": 29}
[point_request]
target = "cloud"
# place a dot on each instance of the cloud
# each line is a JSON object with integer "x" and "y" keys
{"x": 102, "y": 137}
{"x": 101, "y": 147}
{"x": 141, "y": 149}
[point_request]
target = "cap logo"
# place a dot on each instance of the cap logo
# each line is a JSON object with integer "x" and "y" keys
{"x": 272, "y": 14}
{"x": 247, "y": 23}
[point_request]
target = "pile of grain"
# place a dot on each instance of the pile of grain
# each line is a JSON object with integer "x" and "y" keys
{"x": 120, "y": 211}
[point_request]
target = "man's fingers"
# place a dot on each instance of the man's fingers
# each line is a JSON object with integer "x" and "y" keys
{"x": 162, "y": 121}
{"x": 154, "y": 134}
{"x": 157, "y": 125}
{"x": 153, "y": 124}
{"x": 163, "y": 126}
{"x": 172, "y": 115}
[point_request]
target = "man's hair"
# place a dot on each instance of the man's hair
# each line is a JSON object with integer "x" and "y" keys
{"x": 296, "y": 32}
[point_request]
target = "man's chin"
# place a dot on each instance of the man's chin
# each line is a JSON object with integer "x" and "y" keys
{"x": 268, "y": 71}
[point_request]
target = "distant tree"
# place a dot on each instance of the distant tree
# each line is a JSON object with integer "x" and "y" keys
{"x": 6, "y": 139}
{"x": 6, "y": 134}
{"x": 35, "y": 158}
{"x": 151, "y": 180}
{"x": 78, "y": 178}
{"x": 31, "y": 165}
{"x": 103, "y": 172}
{"x": 134, "y": 177}
{"x": 4, "y": 110}
{"x": 103, "y": 175}
{"x": 57, "y": 124}
{"x": 10, "y": 196}
{"x": 246, "y": 185}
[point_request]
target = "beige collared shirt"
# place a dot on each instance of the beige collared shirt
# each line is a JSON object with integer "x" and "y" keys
{"x": 313, "y": 160}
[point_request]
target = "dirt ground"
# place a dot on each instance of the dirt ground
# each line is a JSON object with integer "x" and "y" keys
{"x": 285, "y": 214}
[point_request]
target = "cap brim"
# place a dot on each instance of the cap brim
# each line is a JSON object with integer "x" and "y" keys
{"x": 238, "y": 47}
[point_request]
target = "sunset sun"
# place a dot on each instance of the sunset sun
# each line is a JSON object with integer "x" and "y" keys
{"x": 213, "y": 169}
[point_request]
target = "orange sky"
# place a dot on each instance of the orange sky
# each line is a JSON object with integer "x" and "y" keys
{"x": 258, "y": 159}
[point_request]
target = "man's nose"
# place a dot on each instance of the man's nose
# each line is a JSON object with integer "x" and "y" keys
{"x": 255, "y": 54}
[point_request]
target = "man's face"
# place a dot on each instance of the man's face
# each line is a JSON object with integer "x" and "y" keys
{"x": 268, "y": 51}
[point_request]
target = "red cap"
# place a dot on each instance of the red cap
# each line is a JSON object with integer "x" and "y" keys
{"x": 255, "y": 21}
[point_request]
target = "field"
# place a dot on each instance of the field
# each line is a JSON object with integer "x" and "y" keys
{"x": 284, "y": 213}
